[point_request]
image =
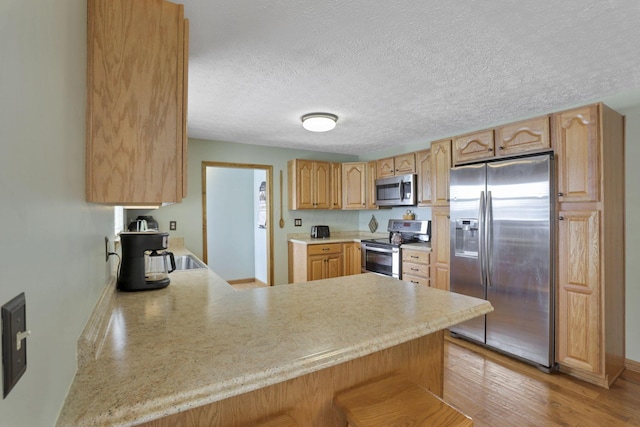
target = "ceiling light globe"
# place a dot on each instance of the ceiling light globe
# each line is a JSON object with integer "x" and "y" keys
{"x": 319, "y": 122}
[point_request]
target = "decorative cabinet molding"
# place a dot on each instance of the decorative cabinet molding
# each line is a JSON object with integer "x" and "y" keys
{"x": 423, "y": 169}
{"x": 440, "y": 166}
{"x": 576, "y": 144}
{"x": 354, "y": 185}
{"x": 137, "y": 58}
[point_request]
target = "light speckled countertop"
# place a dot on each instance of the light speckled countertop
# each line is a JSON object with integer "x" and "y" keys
{"x": 199, "y": 340}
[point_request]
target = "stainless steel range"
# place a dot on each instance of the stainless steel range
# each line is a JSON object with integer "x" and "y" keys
{"x": 382, "y": 256}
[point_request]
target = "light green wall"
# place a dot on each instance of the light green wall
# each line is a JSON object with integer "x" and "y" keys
{"x": 52, "y": 244}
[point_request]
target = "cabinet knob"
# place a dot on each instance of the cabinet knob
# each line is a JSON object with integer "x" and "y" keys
{"x": 501, "y": 148}
{"x": 560, "y": 194}
{"x": 490, "y": 150}
{"x": 561, "y": 218}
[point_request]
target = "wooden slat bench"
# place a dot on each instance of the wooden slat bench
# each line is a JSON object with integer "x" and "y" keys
{"x": 395, "y": 400}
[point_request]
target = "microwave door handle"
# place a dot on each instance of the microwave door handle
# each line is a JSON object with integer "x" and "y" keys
{"x": 401, "y": 190}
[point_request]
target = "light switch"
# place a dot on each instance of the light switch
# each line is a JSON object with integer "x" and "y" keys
{"x": 14, "y": 341}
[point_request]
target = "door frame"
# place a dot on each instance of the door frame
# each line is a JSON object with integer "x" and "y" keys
{"x": 269, "y": 172}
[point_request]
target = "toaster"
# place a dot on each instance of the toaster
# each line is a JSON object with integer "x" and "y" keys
{"x": 319, "y": 231}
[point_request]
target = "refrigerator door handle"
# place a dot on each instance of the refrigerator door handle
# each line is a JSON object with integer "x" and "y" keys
{"x": 482, "y": 250}
{"x": 488, "y": 247}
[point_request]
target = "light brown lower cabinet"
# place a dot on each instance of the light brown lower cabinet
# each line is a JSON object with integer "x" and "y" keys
{"x": 416, "y": 266}
{"x": 317, "y": 261}
{"x": 440, "y": 248}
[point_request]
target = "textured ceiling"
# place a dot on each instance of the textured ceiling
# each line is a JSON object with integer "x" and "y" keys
{"x": 399, "y": 73}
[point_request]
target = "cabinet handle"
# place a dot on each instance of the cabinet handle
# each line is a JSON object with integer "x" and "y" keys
{"x": 561, "y": 218}
{"x": 414, "y": 257}
{"x": 501, "y": 148}
{"x": 326, "y": 249}
{"x": 490, "y": 149}
{"x": 560, "y": 194}
{"x": 415, "y": 269}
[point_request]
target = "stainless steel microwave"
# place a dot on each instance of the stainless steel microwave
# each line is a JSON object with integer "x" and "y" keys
{"x": 397, "y": 190}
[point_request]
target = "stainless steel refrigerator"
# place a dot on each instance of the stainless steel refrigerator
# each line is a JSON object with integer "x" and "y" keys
{"x": 502, "y": 250}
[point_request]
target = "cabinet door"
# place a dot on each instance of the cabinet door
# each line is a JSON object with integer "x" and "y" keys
{"x": 576, "y": 145}
{"x": 334, "y": 266}
{"x": 351, "y": 255}
{"x": 135, "y": 125}
{"x": 440, "y": 166}
{"x": 386, "y": 168}
{"x": 354, "y": 185}
{"x": 522, "y": 137}
{"x": 304, "y": 185}
{"x": 336, "y": 186}
{"x": 578, "y": 339}
{"x": 473, "y": 147}
{"x": 423, "y": 169}
{"x": 371, "y": 185}
{"x": 405, "y": 164}
{"x": 440, "y": 244}
{"x": 322, "y": 183}
{"x": 316, "y": 267}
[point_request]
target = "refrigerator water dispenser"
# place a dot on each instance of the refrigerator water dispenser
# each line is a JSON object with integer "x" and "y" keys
{"x": 467, "y": 237}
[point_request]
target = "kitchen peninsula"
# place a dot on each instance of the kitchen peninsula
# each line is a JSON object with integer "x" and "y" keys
{"x": 201, "y": 353}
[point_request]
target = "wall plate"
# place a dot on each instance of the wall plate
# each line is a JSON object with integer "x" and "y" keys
{"x": 14, "y": 359}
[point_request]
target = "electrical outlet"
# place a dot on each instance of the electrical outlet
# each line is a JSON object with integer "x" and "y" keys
{"x": 297, "y": 222}
{"x": 172, "y": 225}
{"x": 14, "y": 344}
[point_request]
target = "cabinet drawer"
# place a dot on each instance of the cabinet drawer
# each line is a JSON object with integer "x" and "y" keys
{"x": 409, "y": 268}
{"x": 418, "y": 257}
{"x": 415, "y": 279}
{"x": 330, "y": 248}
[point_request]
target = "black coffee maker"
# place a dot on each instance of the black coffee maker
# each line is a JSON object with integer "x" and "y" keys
{"x": 145, "y": 262}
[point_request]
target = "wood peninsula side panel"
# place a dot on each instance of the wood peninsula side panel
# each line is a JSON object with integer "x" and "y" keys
{"x": 308, "y": 399}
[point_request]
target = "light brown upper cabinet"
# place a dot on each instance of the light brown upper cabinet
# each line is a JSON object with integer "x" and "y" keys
{"x": 354, "y": 185}
{"x": 440, "y": 166}
{"x": 423, "y": 169}
{"x": 576, "y": 144}
{"x": 398, "y": 165}
{"x": 522, "y": 137}
{"x": 137, "y": 57}
{"x": 336, "y": 185}
{"x": 473, "y": 146}
{"x": 372, "y": 168}
{"x": 309, "y": 184}
{"x": 527, "y": 136}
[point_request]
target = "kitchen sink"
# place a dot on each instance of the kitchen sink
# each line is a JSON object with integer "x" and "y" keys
{"x": 188, "y": 262}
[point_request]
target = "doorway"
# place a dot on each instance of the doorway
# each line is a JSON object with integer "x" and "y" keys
{"x": 237, "y": 221}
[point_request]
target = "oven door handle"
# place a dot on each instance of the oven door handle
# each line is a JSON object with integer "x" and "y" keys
{"x": 383, "y": 250}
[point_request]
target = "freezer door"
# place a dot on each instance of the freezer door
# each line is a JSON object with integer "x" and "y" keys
{"x": 520, "y": 258}
{"x": 466, "y": 185}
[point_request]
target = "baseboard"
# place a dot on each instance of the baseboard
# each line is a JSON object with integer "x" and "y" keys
{"x": 92, "y": 336}
{"x": 250, "y": 280}
{"x": 632, "y": 365}
{"x": 240, "y": 281}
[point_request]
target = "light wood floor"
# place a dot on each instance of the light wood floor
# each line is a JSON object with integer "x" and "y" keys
{"x": 498, "y": 391}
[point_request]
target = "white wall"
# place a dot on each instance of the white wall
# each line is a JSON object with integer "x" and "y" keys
{"x": 52, "y": 243}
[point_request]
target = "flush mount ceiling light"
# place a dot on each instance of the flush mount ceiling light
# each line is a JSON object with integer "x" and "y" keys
{"x": 319, "y": 122}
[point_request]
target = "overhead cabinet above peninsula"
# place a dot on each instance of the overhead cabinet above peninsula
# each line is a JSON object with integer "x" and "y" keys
{"x": 136, "y": 101}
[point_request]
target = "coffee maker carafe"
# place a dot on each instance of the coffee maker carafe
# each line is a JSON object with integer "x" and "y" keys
{"x": 145, "y": 262}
